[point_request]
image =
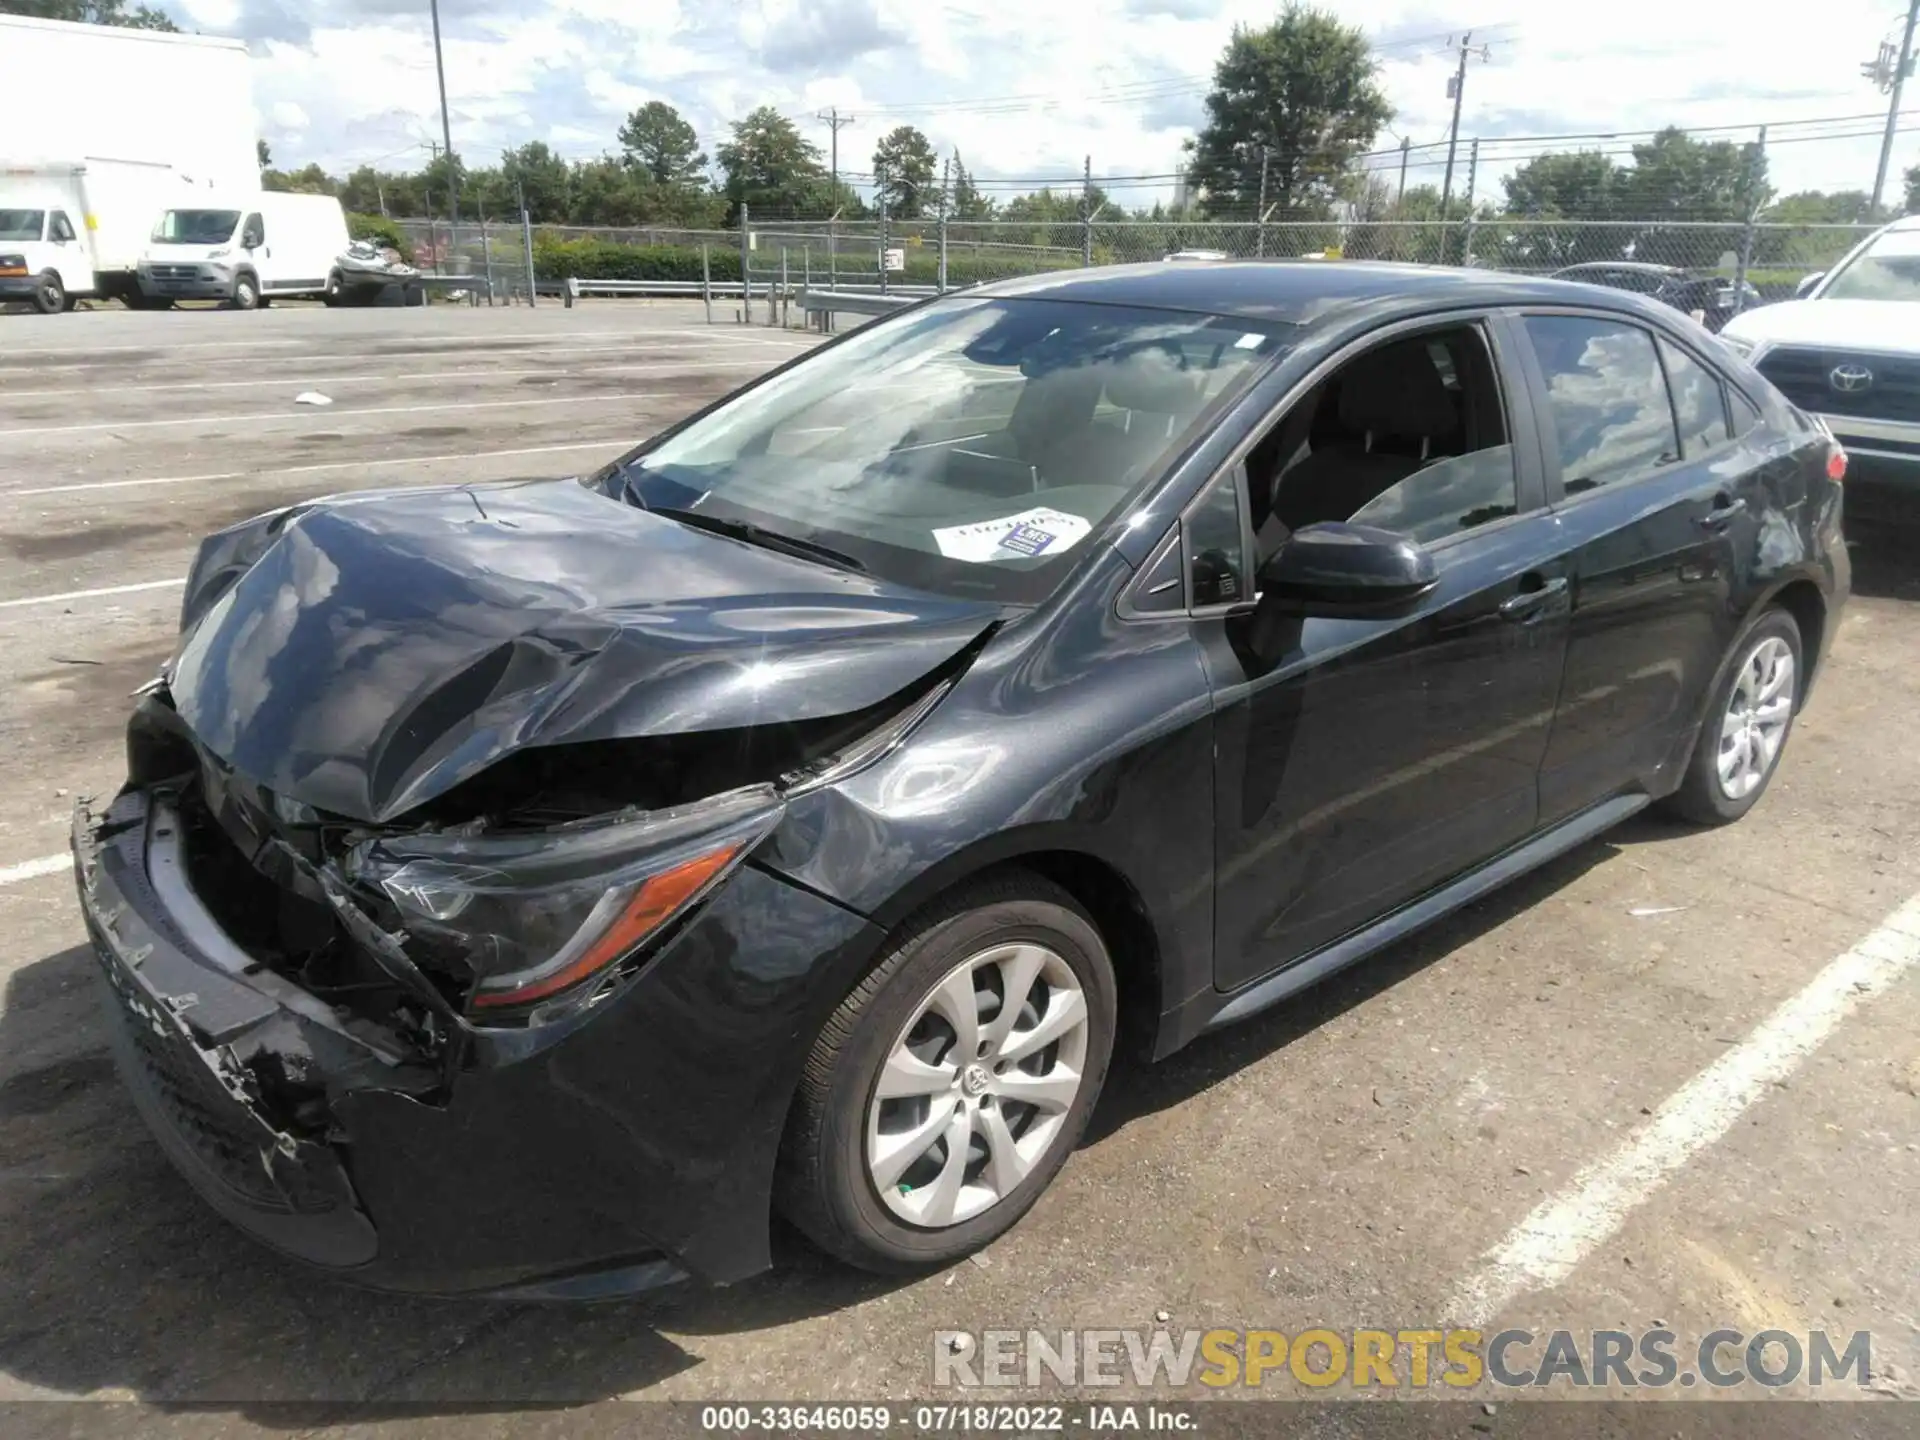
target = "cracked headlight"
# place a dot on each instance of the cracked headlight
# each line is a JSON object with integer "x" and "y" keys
{"x": 532, "y": 915}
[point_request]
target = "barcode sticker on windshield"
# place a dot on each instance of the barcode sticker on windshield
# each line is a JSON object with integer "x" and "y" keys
{"x": 1011, "y": 537}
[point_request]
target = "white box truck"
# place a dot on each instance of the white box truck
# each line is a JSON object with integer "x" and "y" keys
{"x": 101, "y": 129}
{"x": 246, "y": 249}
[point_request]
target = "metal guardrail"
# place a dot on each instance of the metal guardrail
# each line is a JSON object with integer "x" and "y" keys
{"x": 855, "y": 302}
{"x": 576, "y": 287}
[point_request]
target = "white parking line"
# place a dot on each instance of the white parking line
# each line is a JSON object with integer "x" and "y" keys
{"x": 307, "y": 416}
{"x": 34, "y": 869}
{"x": 92, "y": 594}
{"x": 615, "y": 445}
{"x": 1543, "y": 1249}
{"x": 430, "y": 377}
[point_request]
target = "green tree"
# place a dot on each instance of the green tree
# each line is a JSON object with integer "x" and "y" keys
{"x": 968, "y": 202}
{"x": 658, "y": 140}
{"x": 771, "y": 167}
{"x": 606, "y": 191}
{"x": 903, "y": 167}
{"x": 1569, "y": 185}
{"x": 1675, "y": 177}
{"x": 1300, "y": 93}
{"x": 433, "y": 182}
{"x": 309, "y": 180}
{"x": 94, "y": 12}
{"x": 367, "y": 191}
{"x": 261, "y": 150}
{"x": 543, "y": 177}
{"x": 1913, "y": 190}
{"x": 1816, "y": 207}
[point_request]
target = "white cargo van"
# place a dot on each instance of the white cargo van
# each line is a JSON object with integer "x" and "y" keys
{"x": 73, "y": 230}
{"x": 246, "y": 250}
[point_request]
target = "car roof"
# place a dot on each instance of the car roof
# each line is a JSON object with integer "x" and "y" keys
{"x": 1298, "y": 292}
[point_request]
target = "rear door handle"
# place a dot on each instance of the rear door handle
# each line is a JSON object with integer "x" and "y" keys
{"x": 1527, "y": 604}
{"x": 1722, "y": 513}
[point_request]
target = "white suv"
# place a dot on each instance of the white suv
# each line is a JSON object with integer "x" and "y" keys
{"x": 1848, "y": 350}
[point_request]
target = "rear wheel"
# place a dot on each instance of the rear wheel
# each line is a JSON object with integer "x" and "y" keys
{"x": 49, "y": 295}
{"x": 1747, "y": 724}
{"x": 947, "y": 1091}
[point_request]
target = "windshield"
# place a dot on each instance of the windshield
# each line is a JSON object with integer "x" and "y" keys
{"x": 1888, "y": 269}
{"x": 968, "y": 447}
{"x": 22, "y": 224}
{"x": 196, "y": 227}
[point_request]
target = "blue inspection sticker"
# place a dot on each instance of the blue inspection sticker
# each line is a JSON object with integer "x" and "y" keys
{"x": 1027, "y": 539}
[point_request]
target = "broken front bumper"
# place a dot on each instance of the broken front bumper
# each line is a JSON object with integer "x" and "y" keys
{"x": 622, "y": 1149}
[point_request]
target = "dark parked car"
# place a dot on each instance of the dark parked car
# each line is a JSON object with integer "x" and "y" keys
{"x": 1708, "y": 295}
{"x": 529, "y": 887}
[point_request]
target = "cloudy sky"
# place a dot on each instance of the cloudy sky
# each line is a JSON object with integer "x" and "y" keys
{"x": 1026, "y": 88}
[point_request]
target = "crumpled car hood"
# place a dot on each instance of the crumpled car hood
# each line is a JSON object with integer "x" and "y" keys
{"x": 377, "y": 649}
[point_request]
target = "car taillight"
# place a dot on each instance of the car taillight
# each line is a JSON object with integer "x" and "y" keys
{"x": 1836, "y": 464}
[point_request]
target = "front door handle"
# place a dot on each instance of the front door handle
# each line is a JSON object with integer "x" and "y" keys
{"x": 1527, "y": 604}
{"x": 1721, "y": 516}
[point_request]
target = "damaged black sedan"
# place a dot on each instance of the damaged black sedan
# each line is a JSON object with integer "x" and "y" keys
{"x": 531, "y": 888}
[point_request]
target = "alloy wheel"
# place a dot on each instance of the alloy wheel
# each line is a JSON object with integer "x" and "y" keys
{"x": 1755, "y": 723}
{"x": 977, "y": 1085}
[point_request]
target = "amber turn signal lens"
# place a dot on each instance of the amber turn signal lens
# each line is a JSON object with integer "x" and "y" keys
{"x": 652, "y": 905}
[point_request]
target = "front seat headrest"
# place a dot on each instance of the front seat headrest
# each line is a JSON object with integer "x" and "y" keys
{"x": 1396, "y": 391}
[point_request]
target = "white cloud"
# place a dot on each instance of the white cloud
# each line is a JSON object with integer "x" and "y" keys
{"x": 1119, "y": 82}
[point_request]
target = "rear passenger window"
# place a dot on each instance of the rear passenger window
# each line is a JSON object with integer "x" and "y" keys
{"x": 1608, "y": 396}
{"x": 1745, "y": 417}
{"x": 1699, "y": 403}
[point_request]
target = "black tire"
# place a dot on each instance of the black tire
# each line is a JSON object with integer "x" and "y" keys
{"x": 823, "y": 1184}
{"x": 246, "y": 292}
{"x": 335, "y": 293}
{"x": 1702, "y": 798}
{"x": 49, "y": 295}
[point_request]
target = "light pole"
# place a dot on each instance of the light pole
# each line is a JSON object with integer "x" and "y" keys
{"x": 446, "y": 133}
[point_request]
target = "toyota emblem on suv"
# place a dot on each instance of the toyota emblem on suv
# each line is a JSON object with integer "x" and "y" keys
{"x": 1850, "y": 378}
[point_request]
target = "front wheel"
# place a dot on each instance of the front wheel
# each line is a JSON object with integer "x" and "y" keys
{"x": 246, "y": 293}
{"x": 335, "y": 293}
{"x": 49, "y": 295}
{"x": 947, "y": 1091}
{"x": 1747, "y": 724}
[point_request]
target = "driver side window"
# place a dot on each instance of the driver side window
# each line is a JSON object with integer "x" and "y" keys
{"x": 61, "y": 228}
{"x": 1409, "y": 436}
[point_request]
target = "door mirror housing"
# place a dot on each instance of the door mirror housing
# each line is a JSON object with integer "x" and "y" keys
{"x": 252, "y": 238}
{"x": 1805, "y": 287}
{"x": 1346, "y": 571}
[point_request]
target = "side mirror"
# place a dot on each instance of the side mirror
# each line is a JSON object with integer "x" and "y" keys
{"x": 1801, "y": 290}
{"x": 1346, "y": 571}
{"x": 251, "y": 240}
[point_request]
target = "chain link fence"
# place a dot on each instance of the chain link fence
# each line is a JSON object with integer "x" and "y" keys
{"x": 782, "y": 257}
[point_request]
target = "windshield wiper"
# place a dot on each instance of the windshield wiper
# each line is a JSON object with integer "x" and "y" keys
{"x": 759, "y": 535}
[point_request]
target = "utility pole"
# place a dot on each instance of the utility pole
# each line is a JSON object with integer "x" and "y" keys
{"x": 1890, "y": 74}
{"x": 1260, "y": 210}
{"x": 446, "y": 133}
{"x": 834, "y": 120}
{"x": 946, "y": 174}
{"x": 1456, "y": 89}
{"x": 1086, "y": 206}
{"x": 1406, "y": 144}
